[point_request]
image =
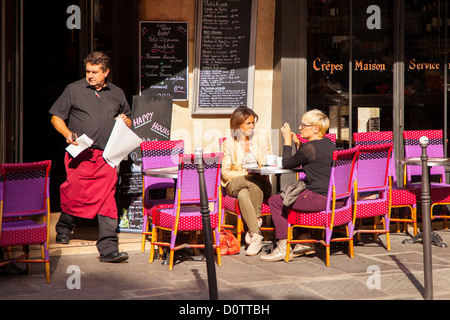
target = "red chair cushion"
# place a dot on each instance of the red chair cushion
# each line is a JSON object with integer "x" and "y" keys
{"x": 190, "y": 217}
{"x": 22, "y": 232}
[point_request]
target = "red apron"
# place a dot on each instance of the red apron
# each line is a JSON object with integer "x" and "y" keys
{"x": 90, "y": 186}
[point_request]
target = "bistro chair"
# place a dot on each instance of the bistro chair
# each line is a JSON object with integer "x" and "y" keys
{"x": 157, "y": 154}
{"x": 184, "y": 214}
{"x": 340, "y": 189}
{"x": 372, "y": 187}
{"x": 400, "y": 197}
{"x": 439, "y": 190}
{"x": 331, "y": 136}
{"x": 230, "y": 206}
{"x": 25, "y": 211}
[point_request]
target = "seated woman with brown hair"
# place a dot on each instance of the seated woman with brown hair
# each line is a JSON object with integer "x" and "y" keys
{"x": 244, "y": 147}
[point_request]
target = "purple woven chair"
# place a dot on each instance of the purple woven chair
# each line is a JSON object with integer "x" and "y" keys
{"x": 400, "y": 197}
{"x": 440, "y": 190}
{"x": 340, "y": 189}
{"x": 25, "y": 211}
{"x": 157, "y": 154}
{"x": 183, "y": 214}
{"x": 373, "y": 187}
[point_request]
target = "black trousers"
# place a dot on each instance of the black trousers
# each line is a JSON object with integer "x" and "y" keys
{"x": 107, "y": 242}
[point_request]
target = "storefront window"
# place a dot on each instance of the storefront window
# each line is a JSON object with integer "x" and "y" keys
{"x": 351, "y": 64}
{"x": 328, "y": 46}
{"x": 425, "y": 53}
{"x": 372, "y": 65}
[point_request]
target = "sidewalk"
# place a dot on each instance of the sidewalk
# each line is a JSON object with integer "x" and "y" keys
{"x": 239, "y": 277}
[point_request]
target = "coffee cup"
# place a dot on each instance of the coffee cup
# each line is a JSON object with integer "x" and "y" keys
{"x": 271, "y": 159}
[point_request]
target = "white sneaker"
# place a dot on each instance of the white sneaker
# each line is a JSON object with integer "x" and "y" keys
{"x": 248, "y": 239}
{"x": 255, "y": 245}
{"x": 301, "y": 249}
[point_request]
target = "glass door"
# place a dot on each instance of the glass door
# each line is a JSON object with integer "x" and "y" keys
{"x": 372, "y": 65}
{"x": 350, "y": 73}
{"x": 425, "y": 64}
{"x": 328, "y": 52}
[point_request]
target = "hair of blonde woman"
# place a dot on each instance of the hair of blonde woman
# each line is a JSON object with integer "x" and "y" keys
{"x": 317, "y": 118}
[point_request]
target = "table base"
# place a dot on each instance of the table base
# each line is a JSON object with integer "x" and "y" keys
{"x": 435, "y": 240}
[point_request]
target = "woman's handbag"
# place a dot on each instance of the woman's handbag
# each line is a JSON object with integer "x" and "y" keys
{"x": 228, "y": 243}
{"x": 289, "y": 193}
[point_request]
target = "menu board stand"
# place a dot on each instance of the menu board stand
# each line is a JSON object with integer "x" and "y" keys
{"x": 225, "y": 56}
{"x": 164, "y": 63}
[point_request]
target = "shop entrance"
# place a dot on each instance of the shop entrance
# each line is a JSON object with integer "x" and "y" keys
{"x": 56, "y": 37}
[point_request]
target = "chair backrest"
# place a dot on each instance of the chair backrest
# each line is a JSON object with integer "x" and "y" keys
{"x": 188, "y": 188}
{"x": 379, "y": 137}
{"x": 435, "y": 149}
{"x": 24, "y": 189}
{"x": 373, "y": 167}
{"x": 342, "y": 175}
{"x": 331, "y": 136}
{"x": 160, "y": 154}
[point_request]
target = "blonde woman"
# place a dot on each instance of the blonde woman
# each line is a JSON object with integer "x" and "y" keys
{"x": 244, "y": 147}
{"x": 316, "y": 158}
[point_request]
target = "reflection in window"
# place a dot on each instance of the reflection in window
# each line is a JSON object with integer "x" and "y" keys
{"x": 425, "y": 49}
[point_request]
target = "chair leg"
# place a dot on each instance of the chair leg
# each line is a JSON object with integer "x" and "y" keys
{"x": 351, "y": 251}
{"x": 288, "y": 244}
{"x": 152, "y": 245}
{"x": 144, "y": 236}
{"x": 239, "y": 229}
{"x": 172, "y": 254}
{"x": 327, "y": 258}
{"x": 216, "y": 235}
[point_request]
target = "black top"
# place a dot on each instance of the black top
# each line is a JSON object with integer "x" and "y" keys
{"x": 91, "y": 112}
{"x": 316, "y": 159}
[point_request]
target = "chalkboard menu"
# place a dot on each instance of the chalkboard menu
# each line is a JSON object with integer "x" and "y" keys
{"x": 151, "y": 120}
{"x": 224, "y": 64}
{"x": 164, "y": 60}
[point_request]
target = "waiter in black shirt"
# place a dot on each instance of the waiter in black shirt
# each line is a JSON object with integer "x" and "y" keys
{"x": 90, "y": 106}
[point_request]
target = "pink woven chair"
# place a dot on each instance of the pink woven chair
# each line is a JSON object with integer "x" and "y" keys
{"x": 25, "y": 211}
{"x": 340, "y": 188}
{"x": 157, "y": 154}
{"x": 439, "y": 191}
{"x": 331, "y": 136}
{"x": 373, "y": 187}
{"x": 184, "y": 212}
{"x": 400, "y": 197}
{"x": 230, "y": 205}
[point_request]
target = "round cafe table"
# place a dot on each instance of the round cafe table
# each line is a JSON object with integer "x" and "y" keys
{"x": 268, "y": 170}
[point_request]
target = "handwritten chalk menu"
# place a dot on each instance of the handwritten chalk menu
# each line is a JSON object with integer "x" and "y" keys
{"x": 225, "y": 55}
{"x": 151, "y": 120}
{"x": 164, "y": 59}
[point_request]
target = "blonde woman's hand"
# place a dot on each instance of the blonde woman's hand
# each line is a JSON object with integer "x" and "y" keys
{"x": 287, "y": 134}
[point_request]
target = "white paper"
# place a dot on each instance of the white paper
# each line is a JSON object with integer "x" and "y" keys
{"x": 84, "y": 142}
{"x": 120, "y": 143}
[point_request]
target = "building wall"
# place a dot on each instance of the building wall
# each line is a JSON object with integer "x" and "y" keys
{"x": 203, "y": 131}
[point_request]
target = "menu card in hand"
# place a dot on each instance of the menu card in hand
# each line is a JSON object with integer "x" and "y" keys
{"x": 120, "y": 143}
{"x": 84, "y": 142}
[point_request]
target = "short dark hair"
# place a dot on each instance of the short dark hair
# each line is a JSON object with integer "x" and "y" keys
{"x": 239, "y": 115}
{"x": 98, "y": 57}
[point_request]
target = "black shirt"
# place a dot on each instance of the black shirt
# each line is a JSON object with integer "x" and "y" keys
{"x": 91, "y": 112}
{"x": 316, "y": 159}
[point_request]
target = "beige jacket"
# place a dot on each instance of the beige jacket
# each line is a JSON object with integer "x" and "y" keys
{"x": 233, "y": 155}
